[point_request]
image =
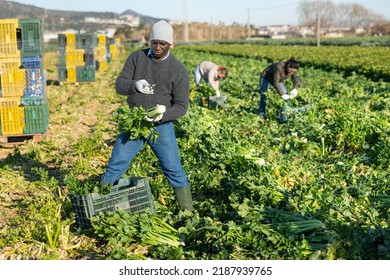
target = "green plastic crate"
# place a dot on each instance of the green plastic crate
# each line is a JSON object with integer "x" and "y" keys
{"x": 85, "y": 73}
{"x": 36, "y": 119}
{"x": 286, "y": 111}
{"x": 131, "y": 194}
{"x": 217, "y": 102}
{"x": 32, "y": 37}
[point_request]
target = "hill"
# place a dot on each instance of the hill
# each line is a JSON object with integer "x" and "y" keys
{"x": 57, "y": 20}
{"x": 128, "y": 25}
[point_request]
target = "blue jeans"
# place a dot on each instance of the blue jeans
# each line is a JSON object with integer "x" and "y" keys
{"x": 197, "y": 76}
{"x": 264, "y": 85}
{"x": 165, "y": 148}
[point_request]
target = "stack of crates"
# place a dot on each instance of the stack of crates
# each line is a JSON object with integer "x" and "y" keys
{"x": 113, "y": 47}
{"x": 76, "y": 57}
{"x": 101, "y": 53}
{"x": 23, "y": 102}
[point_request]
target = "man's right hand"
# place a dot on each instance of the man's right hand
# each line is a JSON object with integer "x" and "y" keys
{"x": 144, "y": 87}
{"x": 155, "y": 119}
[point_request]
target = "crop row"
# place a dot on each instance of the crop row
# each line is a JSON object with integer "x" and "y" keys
{"x": 312, "y": 41}
{"x": 366, "y": 61}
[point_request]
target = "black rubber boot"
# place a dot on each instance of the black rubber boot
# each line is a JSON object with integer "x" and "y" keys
{"x": 184, "y": 198}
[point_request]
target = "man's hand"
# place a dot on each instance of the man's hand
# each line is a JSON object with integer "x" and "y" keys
{"x": 144, "y": 87}
{"x": 155, "y": 119}
{"x": 286, "y": 97}
{"x": 293, "y": 93}
{"x": 217, "y": 93}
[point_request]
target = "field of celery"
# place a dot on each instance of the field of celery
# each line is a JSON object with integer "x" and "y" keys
{"x": 315, "y": 187}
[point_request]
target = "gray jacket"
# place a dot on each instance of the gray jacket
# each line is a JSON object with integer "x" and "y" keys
{"x": 170, "y": 77}
{"x": 209, "y": 72}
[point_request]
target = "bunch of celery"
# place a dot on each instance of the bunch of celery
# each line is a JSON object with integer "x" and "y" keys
{"x": 132, "y": 122}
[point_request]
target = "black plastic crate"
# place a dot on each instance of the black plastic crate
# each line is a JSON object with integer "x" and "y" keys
{"x": 131, "y": 194}
{"x": 61, "y": 41}
{"x": 89, "y": 58}
{"x": 62, "y": 73}
{"x": 86, "y": 41}
{"x": 61, "y": 59}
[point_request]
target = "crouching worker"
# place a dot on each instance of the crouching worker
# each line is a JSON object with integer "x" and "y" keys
{"x": 211, "y": 73}
{"x": 149, "y": 77}
{"x": 274, "y": 74}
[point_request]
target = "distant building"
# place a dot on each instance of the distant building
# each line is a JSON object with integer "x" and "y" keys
{"x": 122, "y": 20}
{"x": 333, "y": 35}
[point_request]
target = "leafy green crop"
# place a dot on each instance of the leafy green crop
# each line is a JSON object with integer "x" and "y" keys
{"x": 80, "y": 187}
{"x": 123, "y": 228}
{"x": 131, "y": 121}
{"x": 315, "y": 187}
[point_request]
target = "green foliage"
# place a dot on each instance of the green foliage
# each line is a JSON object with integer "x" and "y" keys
{"x": 88, "y": 186}
{"x": 311, "y": 41}
{"x": 122, "y": 229}
{"x": 131, "y": 121}
{"x": 366, "y": 61}
{"x": 326, "y": 167}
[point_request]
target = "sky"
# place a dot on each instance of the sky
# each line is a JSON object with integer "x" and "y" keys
{"x": 257, "y": 12}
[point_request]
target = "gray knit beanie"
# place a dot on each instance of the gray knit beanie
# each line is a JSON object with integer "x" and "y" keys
{"x": 162, "y": 30}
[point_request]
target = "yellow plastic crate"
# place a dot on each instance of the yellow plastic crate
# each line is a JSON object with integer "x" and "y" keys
{"x": 70, "y": 41}
{"x": 74, "y": 57}
{"x": 100, "y": 53}
{"x": 71, "y": 74}
{"x": 6, "y": 102}
{"x": 13, "y": 83}
{"x": 115, "y": 55}
{"x": 114, "y": 51}
{"x": 102, "y": 65}
{"x": 10, "y": 35}
{"x": 12, "y": 116}
{"x": 113, "y": 48}
{"x": 10, "y": 64}
{"x": 102, "y": 40}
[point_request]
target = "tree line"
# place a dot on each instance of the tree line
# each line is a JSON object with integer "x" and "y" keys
{"x": 336, "y": 15}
